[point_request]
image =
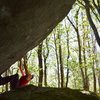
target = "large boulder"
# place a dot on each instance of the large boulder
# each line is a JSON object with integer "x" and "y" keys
{"x": 25, "y": 23}
{"x": 47, "y": 93}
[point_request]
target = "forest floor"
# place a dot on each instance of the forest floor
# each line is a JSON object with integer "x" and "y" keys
{"x": 47, "y": 93}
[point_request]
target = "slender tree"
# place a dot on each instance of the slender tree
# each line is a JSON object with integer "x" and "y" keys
{"x": 99, "y": 80}
{"x": 87, "y": 7}
{"x": 94, "y": 63}
{"x": 45, "y": 55}
{"x": 40, "y": 65}
{"x": 96, "y": 4}
{"x": 79, "y": 46}
{"x": 57, "y": 58}
{"x": 85, "y": 38}
{"x": 61, "y": 60}
{"x": 68, "y": 54}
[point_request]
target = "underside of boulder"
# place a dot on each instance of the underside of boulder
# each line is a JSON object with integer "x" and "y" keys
{"x": 26, "y": 23}
{"x": 47, "y": 93}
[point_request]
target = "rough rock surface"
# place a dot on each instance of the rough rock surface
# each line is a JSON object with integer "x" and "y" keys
{"x": 25, "y": 23}
{"x": 47, "y": 93}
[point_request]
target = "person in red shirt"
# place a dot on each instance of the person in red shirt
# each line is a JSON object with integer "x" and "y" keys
{"x": 26, "y": 76}
{"x": 15, "y": 81}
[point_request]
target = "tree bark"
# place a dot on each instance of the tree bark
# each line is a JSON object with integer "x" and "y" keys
{"x": 99, "y": 81}
{"x": 87, "y": 5}
{"x": 57, "y": 59}
{"x": 94, "y": 63}
{"x": 68, "y": 55}
{"x": 97, "y": 6}
{"x": 61, "y": 61}
{"x": 40, "y": 65}
{"x": 45, "y": 55}
{"x": 85, "y": 37}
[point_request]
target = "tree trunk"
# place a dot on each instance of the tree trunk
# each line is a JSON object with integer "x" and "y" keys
{"x": 97, "y": 5}
{"x": 57, "y": 59}
{"x": 68, "y": 55}
{"x": 86, "y": 79}
{"x": 94, "y": 63}
{"x": 61, "y": 61}
{"x": 80, "y": 59}
{"x": 45, "y": 73}
{"x": 87, "y": 5}
{"x": 79, "y": 46}
{"x": 94, "y": 77}
{"x": 45, "y": 55}
{"x": 40, "y": 65}
{"x": 99, "y": 81}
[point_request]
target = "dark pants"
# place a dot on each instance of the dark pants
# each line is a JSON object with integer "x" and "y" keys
{"x": 14, "y": 81}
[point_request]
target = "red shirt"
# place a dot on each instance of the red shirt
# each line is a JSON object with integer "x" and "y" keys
{"x": 23, "y": 81}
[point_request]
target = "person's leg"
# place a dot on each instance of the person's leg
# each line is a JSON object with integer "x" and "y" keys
{"x": 14, "y": 82}
{"x": 4, "y": 80}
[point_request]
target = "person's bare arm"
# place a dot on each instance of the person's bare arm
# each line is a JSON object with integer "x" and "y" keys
{"x": 29, "y": 76}
{"x": 20, "y": 67}
{"x": 26, "y": 68}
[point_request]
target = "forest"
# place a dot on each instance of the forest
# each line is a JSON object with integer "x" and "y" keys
{"x": 69, "y": 56}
